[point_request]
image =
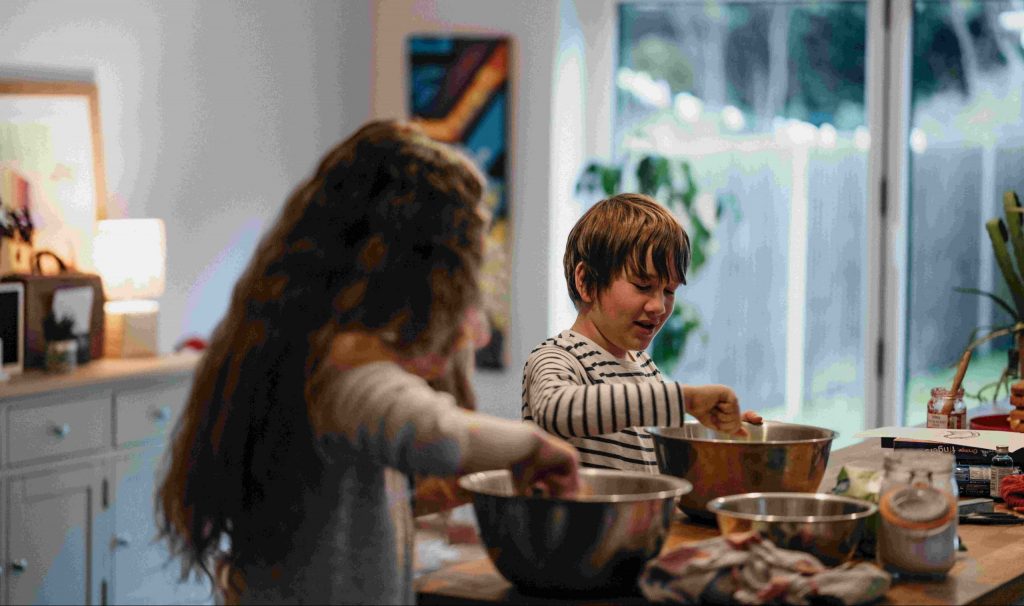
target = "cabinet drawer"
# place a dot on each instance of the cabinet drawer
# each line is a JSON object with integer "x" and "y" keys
{"x": 50, "y": 430}
{"x": 145, "y": 415}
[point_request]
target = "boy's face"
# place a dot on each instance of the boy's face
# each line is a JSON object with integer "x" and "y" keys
{"x": 629, "y": 313}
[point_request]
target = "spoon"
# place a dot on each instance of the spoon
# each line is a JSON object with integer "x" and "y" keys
{"x": 948, "y": 403}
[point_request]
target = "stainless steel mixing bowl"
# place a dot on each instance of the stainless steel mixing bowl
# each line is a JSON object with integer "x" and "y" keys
{"x": 597, "y": 542}
{"x": 825, "y": 525}
{"x": 775, "y": 457}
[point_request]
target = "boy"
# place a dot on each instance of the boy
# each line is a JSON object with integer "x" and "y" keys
{"x": 594, "y": 384}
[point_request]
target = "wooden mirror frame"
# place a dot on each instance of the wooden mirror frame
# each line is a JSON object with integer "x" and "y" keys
{"x": 12, "y": 91}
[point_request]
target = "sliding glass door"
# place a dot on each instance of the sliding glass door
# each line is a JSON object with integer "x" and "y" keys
{"x": 767, "y": 105}
{"x": 965, "y": 148}
{"x": 843, "y": 158}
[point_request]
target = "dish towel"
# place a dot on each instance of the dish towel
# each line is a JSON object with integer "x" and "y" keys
{"x": 1012, "y": 491}
{"x": 745, "y": 568}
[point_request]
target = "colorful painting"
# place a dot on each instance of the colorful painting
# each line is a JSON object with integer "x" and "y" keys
{"x": 459, "y": 95}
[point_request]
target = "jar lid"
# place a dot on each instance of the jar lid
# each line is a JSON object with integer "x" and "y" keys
{"x": 920, "y": 460}
{"x": 917, "y": 507}
{"x": 945, "y": 392}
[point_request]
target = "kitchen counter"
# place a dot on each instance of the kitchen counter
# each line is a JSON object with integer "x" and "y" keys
{"x": 991, "y": 571}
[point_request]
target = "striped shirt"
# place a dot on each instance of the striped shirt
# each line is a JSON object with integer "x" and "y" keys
{"x": 575, "y": 389}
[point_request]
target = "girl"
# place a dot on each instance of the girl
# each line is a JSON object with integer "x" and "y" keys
{"x": 310, "y": 410}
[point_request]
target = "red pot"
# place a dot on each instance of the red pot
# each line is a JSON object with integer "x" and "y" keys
{"x": 991, "y": 422}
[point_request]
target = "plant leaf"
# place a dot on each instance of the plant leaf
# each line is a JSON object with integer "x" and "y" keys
{"x": 997, "y": 234}
{"x": 652, "y": 174}
{"x": 1011, "y": 206}
{"x": 690, "y": 193}
{"x": 999, "y": 300}
{"x": 611, "y": 177}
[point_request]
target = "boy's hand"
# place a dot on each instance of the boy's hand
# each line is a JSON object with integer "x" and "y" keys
{"x": 717, "y": 407}
{"x": 753, "y": 418}
{"x": 549, "y": 470}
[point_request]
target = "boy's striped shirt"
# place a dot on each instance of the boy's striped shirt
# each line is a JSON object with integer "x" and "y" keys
{"x": 575, "y": 389}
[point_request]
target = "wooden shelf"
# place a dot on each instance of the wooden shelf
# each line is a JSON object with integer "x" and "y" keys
{"x": 97, "y": 372}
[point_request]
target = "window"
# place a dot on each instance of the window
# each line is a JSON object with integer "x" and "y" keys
{"x": 846, "y": 155}
{"x": 966, "y": 146}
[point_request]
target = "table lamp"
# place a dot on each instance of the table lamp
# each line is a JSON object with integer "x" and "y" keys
{"x": 131, "y": 257}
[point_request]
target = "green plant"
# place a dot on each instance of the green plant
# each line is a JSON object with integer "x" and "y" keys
{"x": 671, "y": 182}
{"x": 58, "y": 329}
{"x": 1006, "y": 237}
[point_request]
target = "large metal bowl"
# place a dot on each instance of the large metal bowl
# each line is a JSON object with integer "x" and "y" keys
{"x": 825, "y": 525}
{"x": 597, "y": 542}
{"x": 775, "y": 457}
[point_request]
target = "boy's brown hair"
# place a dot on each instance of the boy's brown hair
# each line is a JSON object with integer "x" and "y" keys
{"x": 615, "y": 235}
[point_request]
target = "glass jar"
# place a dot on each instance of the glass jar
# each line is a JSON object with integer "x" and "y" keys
{"x": 946, "y": 411}
{"x": 917, "y": 533}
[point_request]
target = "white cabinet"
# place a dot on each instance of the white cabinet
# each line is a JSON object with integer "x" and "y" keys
{"x": 79, "y": 461}
{"x": 142, "y": 571}
{"x": 56, "y": 527}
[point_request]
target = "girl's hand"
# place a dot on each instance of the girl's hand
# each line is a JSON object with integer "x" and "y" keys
{"x": 717, "y": 407}
{"x": 549, "y": 470}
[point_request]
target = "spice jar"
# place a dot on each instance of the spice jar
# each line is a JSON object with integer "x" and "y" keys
{"x": 917, "y": 534}
{"x": 946, "y": 410}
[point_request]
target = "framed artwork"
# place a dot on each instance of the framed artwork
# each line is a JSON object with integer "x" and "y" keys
{"x": 51, "y": 164}
{"x": 458, "y": 88}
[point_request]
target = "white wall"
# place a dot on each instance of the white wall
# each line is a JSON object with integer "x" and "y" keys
{"x": 533, "y": 29}
{"x": 211, "y": 113}
{"x": 581, "y": 117}
{"x": 561, "y": 55}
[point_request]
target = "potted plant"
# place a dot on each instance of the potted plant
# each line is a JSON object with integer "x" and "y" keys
{"x": 1007, "y": 237}
{"x": 61, "y": 344}
{"x": 671, "y": 182}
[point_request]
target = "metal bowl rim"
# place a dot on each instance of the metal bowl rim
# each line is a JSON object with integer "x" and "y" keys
{"x": 656, "y": 431}
{"x": 683, "y": 486}
{"x": 715, "y": 506}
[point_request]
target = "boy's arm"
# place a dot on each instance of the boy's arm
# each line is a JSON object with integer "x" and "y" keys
{"x": 561, "y": 402}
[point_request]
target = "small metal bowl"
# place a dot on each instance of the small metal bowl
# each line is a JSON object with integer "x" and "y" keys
{"x": 597, "y": 542}
{"x": 825, "y": 525}
{"x": 773, "y": 457}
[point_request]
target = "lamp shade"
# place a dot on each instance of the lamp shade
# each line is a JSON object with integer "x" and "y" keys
{"x": 131, "y": 257}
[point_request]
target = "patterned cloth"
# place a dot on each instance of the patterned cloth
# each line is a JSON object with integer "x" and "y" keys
{"x": 745, "y": 568}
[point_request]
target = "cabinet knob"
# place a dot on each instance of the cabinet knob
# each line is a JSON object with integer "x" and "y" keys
{"x": 20, "y": 565}
{"x": 162, "y": 414}
{"x": 121, "y": 540}
{"x": 61, "y": 431}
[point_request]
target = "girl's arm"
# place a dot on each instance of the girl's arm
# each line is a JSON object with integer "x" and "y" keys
{"x": 379, "y": 412}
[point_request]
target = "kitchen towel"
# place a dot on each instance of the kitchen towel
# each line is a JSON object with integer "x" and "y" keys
{"x": 746, "y": 568}
{"x": 1012, "y": 491}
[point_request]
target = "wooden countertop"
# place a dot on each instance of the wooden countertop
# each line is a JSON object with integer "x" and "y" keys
{"x": 97, "y": 372}
{"x": 991, "y": 571}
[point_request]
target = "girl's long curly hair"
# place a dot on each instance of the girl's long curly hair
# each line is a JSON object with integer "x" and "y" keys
{"x": 385, "y": 237}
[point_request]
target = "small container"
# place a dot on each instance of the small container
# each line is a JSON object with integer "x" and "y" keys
{"x": 1002, "y": 466}
{"x": 973, "y": 480}
{"x": 941, "y": 399}
{"x": 917, "y": 534}
{"x": 61, "y": 356}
